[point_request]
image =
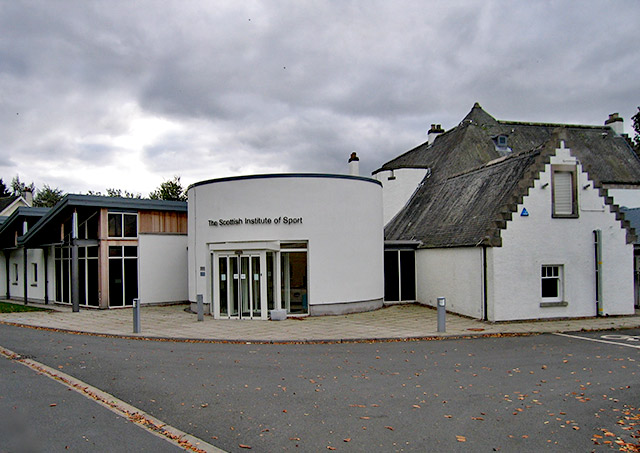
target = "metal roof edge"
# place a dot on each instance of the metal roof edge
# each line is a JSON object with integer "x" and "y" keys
{"x": 285, "y": 175}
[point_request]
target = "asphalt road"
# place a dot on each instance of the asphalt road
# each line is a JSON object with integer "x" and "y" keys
{"x": 533, "y": 393}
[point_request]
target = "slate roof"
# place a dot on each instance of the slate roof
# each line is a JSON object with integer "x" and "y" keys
{"x": 606, "y": 156}
{"x": 6, "y": 201}
{"x": 471, "y": 209}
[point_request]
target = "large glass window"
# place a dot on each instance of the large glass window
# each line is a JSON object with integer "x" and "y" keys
{"x": 123, "y": 275}
{"x": 399, "y": 275}
{"x": 87, "y": 275}
{"x": 122, "y": 225}
{"x": 293, "y": 266}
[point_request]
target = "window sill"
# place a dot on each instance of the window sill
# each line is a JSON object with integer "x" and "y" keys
{"x": 565, "y": 216}
{"x": 554, "y": 304}
{"x": 34, "y": 284}
{"x": 15, "y": 284}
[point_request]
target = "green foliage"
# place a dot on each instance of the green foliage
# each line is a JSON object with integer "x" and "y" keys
{"x": 111, "y": 192}
{"x": 19, "y": 187}
{"x": 47, "y": 197}
{"x": 170, "y": 190}
{"x": 4, "y": 190}
{"x": 636, "y": 127}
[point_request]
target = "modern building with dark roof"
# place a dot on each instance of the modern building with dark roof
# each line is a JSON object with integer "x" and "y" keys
{"x": 505, "y": 219}
{"x": 95, "y": 251}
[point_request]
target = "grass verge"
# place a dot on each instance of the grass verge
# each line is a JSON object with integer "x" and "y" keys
{"x": 15, "y": 308}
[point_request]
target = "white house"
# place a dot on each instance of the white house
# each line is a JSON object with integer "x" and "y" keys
{"x": 508, "y": 219}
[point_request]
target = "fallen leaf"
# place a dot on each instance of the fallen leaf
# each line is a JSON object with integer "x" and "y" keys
{"x": 389, "y": 427}
{"x": 348, "y": 439}
{"x": 461, "y": 438}
{"x": 52, "y": 405}
{"x": 329, "y": 447}
{"x": 244, "y": 446}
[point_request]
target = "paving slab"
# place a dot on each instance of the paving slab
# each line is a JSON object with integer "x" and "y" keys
{"x": 395, "y": 322}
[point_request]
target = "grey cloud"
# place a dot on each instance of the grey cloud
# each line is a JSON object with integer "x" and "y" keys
{"x": 299, "y": 85}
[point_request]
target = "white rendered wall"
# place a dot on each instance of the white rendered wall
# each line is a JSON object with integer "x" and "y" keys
{"x": 538, "y": 239}
{"x": 341, "y": 220}
{"x": 629, "y": 198}
{"x": 35, "y": 289}
{"x": 454, "y": 273}
{"x": 162, "y": 267}
{"x": 396, "y": 192}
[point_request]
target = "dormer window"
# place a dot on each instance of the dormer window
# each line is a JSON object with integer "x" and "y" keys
{"x": 501, "y": 144}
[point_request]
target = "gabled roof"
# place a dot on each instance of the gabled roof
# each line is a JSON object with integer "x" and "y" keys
{"x": 14, "y": 223}
{"x": 471, "y": 209}
{"x": 6, "y": 201}
{"x": 72, "y": 202}
{"x": 605, "y": 155}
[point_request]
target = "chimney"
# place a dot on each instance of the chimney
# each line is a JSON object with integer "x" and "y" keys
{"x": 616, "y": 123}
{"x": 28, "y": 197}
{"x": 354, "y": 165}
{"x": 436, "y": 129}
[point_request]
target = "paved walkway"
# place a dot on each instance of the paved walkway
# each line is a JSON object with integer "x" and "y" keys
{"x": 394, "y": 322}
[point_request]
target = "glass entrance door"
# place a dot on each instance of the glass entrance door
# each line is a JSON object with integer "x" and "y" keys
{"x": 239, "y": 286}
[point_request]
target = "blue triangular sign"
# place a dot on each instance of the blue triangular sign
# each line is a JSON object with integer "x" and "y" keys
{"x": 524, "y": 213}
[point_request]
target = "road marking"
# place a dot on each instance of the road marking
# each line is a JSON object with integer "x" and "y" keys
{"x": 597, "y": 340}
{"x": 133, "y": 414}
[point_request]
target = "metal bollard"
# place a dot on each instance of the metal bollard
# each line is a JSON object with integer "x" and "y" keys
{"x": 136, "y": 315}
{"x": 200, "y": 307}
{"x": 442, "y": 314}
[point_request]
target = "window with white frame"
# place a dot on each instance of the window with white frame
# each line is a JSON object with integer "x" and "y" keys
{"x": 564, "y": 192}
{"x": 552, "y": 283}
{"x": 122, "y": 225}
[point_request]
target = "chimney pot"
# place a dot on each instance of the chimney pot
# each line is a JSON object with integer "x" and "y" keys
{"x": 354, "y": 165}
{"x": 28, "y": 197}
{"x": 616, "y": 123}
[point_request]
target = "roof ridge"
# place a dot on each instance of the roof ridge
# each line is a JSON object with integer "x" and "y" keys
{"x": 535, "y": 124}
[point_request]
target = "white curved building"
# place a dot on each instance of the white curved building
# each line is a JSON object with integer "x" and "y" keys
{"x": 294, "y": 244}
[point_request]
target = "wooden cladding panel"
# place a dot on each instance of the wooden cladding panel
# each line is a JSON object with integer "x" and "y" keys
{"x": 162, "y": 222}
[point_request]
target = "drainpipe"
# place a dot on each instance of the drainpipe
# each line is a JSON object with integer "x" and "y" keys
{"x": 597, "y": 242}
{"x": 485, "y": 303}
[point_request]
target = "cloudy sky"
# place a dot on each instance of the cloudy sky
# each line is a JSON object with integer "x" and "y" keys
{"x": 127, "y": 94}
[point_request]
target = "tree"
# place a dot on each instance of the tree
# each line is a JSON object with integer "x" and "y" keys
{"x": 111, "y": 192}
{"x": 47, "y": 197}
{"x": 19, "y": 187}
{"x": 636, "y": 127}
{"x": 4, "y": 191}
{"x": 170, "y": 190}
